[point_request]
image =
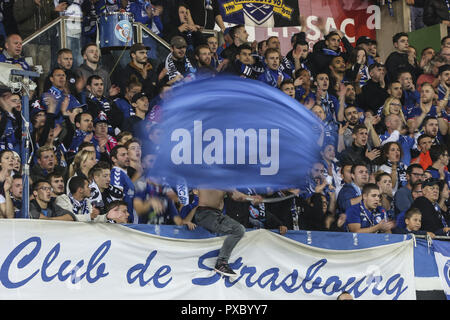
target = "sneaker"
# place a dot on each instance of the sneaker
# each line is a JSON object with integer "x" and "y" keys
{"x": 224, "y": 268}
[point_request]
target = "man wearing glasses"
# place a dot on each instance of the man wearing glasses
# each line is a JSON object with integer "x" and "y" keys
{"x": 403, "y": 197}
{"x": 43, "y": 207}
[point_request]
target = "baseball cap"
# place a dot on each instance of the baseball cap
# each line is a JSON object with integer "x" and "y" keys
{"x": 137, "y": 96}
{"x": 102, "y": 117}
{"x": 36, "y": 107}
{"x": 430, "y": 182}
{"x": 178, "y": 42}
{"x": 443, "y": 68}
{"x": 138, "y": 46}
{"x": 363, "y": 40}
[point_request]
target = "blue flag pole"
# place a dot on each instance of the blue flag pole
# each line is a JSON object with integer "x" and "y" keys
{"x": 25, "y": 145}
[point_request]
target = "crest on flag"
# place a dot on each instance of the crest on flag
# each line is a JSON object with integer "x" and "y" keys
{"x": 268, "y": 13}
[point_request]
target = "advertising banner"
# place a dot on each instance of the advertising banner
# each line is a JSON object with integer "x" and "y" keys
{"x": 442, "y": 256}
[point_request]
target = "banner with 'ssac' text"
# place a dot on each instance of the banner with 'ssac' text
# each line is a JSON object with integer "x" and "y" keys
{"x": 67, "y": 260}
{"x": 229, "y": 132}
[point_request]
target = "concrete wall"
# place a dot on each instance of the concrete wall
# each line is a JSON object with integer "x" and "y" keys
{"x": 392, "y": 25}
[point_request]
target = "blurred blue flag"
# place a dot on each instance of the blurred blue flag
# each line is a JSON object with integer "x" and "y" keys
{"x": 230, "y": 132}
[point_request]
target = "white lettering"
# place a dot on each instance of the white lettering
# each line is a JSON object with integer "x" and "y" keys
{"x": 250, "y": 147}
{"x": 344, "y": 26}
{"x": 315, "y": 35}
{"x": 374, "y": 21}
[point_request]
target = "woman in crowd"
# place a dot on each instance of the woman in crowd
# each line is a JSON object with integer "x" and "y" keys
{"x": 390, "y": 163}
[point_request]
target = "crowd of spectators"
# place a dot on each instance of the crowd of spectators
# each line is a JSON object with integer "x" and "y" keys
{"x": 384, "y": 158}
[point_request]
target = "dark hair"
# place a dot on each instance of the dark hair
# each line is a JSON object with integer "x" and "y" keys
{"x": 200, "y": 46}
{"x": 83, "y": 50}
{"x": 244, "y": 47}
{"x": 287, "y": 81}
{"x": 443, "y": 39}
{"x": 357, "y": 164}
{"x": 36, "y": 184}
{"x": 386, "y": 147}
{"x": 115, "y": 150}
{"x": 270, "y": 50}
{"x": 54, "y": 174}
{"x": 97, "y": 168}
{"x": 398, "y": 35}
{"x": 260, "y": 44}
{"x": 358, "y": 127}
{"x": 400, "y": 72}
{"x": 56, "y": 68}
{"x": 76, "y": 182}
{"x": 412, "y": 211}
{"x": 380, "y": 174}
{"x": 85, "y": 144}
{"x": 78, "y": 116}
{"x": 114, "y": 204}
{"x": 426, "y": 119}
{"x": 412, "y": 166}
{"x": 18, "y": 176}
{"x": 132, "y": 140}
{"x": 423, "y": 136}
{"x": 436, "y": 152}
{"x": 93, "y": 77}
{"x": 369, "y": 187}
{"x": 133, "y": 81}
{"x": 234, "y": 29}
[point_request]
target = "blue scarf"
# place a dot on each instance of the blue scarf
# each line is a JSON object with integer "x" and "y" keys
{"x": 79, "y": 207}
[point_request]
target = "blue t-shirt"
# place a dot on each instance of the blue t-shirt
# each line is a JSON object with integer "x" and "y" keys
{"x": 358, "y": 213}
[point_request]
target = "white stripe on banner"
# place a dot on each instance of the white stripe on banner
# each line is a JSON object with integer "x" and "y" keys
{"x": 442, "y": 256}
{"x": 67, "y": 260}
{"x": 428, "y": 284}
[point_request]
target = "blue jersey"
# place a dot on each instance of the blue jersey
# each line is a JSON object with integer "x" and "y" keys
{"x": 270, "y": 77}
{"x": 126, "y": 108}
{"x": 348, "y": 192}
{"x": 330, "y": 105}
{"x": 59, "y": 97}
{"x": 358, "y": 213}
{"x": 121, "y": 180}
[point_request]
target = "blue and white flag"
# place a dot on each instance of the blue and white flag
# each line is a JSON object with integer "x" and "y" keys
{"x": 261, "y": 13}
{"x": 230, "y": 132}
{"x": 442, "y": 256}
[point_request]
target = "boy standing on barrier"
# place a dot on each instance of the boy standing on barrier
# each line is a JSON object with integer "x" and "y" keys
{"x": 209, "y": 216}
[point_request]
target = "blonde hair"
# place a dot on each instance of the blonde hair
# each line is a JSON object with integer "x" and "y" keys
{"x": 387, "y": 108}
{"x": 80, "y": 157}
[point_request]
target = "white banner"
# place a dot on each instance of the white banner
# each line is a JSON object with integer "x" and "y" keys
{"x": 67, "y": 260}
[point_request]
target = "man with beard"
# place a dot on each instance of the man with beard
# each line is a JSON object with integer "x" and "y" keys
{"x": 337, "y": 74}
{"x": 427, "y": 109}
{"x": 368, "y": 216}
{"x": 404, "y": 196}
{"x": 91, "y": 66}
{"x": 141, "y": 68}
{"x": 203, "y": 60}
{"x": 239, "y": 36}
{"x": 373, "y": 93}
{"x": 351, "y": 116}
{"x": 97, "y": 103}
{"x": 177, "y": 65}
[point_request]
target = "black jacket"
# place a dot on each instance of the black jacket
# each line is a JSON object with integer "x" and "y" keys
{"x": 398, "y": 61}
{"x": 431, "y": 219}
{"x": 434, "y": 12}
{"x": 114, "y": 114}
{"x": 354, "y": 154}
{"x": 372, "y": 96}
